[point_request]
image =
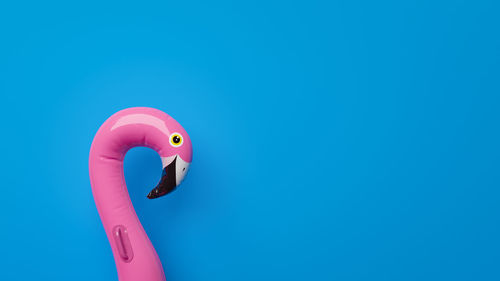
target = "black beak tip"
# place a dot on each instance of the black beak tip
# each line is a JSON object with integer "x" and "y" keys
{"x": 150, "y": 195}
{"x": 156, "y": 192}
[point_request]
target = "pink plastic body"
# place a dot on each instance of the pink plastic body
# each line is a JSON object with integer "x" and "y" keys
{"x": 135, "y": 257}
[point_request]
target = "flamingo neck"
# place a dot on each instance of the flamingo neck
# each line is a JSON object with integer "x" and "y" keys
{"x": 135, "y": 257}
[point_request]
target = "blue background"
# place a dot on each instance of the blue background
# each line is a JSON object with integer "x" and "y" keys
{"x": 333, "y": 140}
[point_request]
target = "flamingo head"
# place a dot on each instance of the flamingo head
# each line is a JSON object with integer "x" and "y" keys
{"x": 176, "y": 156}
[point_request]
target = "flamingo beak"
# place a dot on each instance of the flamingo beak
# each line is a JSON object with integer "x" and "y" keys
{"x": 174, "y": 171}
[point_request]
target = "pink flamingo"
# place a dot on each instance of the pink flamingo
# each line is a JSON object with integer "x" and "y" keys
{"x": 135, "y": 257}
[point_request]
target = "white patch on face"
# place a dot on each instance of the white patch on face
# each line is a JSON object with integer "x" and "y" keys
{"x": 181, "y": 167}
{"x": 167, "y": 160}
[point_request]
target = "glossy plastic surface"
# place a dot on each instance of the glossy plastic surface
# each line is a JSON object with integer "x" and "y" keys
{"x": 135, "y": 257}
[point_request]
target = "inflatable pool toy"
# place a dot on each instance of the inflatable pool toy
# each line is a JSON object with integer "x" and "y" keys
{"x": 135, "y": 257}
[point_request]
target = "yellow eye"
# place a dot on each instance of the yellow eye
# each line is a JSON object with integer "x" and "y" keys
{"x": 176, "y": 139}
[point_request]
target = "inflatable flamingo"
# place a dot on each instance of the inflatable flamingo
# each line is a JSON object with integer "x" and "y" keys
{"x": 135, "y": 257}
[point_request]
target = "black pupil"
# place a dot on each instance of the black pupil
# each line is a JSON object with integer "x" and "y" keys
{"x": 176, "y": 139}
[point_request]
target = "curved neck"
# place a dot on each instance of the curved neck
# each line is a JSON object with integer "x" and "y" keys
{"x": 134, "y": 254}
